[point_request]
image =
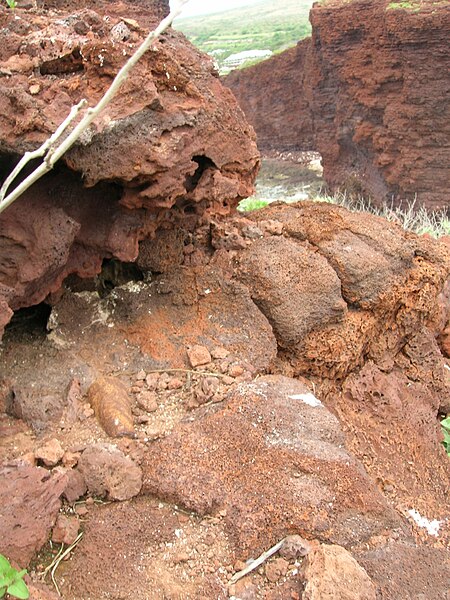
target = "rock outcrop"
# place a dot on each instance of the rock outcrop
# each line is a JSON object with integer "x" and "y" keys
{"x": 173, "y": 144}
{"x": 272, "y": 96}
{"x": 373, "y": 85}
{"x": 284, "y": 378}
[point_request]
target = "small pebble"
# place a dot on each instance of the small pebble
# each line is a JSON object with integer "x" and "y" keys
{"x": 152, "y": 381}
{"x": 198, "y": 355}
{"x": 235, "y": 371}
{"x": 175, "y": 384}
{"x": 276, "y": 569}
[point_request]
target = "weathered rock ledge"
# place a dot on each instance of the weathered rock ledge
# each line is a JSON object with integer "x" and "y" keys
{"x": 172, "y": 146}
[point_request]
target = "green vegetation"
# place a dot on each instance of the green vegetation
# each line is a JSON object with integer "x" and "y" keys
{"x": 11, "y": 3}
{"x": 445, "y": 424}
{"x": 250, "y": 204}
{"x": 11, "y": 580}
{"x": 416, "y": 5}
{"x": 264, "y": 26}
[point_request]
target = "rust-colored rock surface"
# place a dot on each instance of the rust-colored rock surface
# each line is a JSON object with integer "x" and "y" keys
{"x": 377, "y": 359}
{"x": 107, "y": 472}
{"x": 270, "y": 429}
{"x": 272, "y": 96}
{"x": 331, "y": 572}
{"x": 28, "y": 509}
{"x": 340, "y": 444}
{"x": 172, "y": 146}
{"x": 372, "y": 87}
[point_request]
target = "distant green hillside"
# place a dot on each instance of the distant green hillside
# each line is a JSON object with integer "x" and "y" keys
{"x": 267, "y": 25}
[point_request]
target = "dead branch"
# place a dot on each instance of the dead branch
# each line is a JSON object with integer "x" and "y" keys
{"x": 54, "y": 148}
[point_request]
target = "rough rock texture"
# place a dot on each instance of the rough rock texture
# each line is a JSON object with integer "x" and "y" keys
{"x": 390, "y": 567}
{"x": 252, "y": 458}
{"x": 172, "y": 145}
{"x": 267, "y": 431}
{"x": 272, "y": 96}
{"x": 108, "y": 472}
{"x": 377, "y": 359}
{"x": 331, "y": 572}
{"x": 29, "y": 505}
{"x": 373, "y": 84}
{"x": 149, "y": 533}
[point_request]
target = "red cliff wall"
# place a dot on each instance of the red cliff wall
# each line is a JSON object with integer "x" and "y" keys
{"x": 376, "y": 81}
{"x": 271, "y": 94}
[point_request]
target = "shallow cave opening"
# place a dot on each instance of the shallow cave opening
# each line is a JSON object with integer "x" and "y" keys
{"x": 31, "y": 320}
{"x": 203, "y": 163}
{"x": 115, "y": 273}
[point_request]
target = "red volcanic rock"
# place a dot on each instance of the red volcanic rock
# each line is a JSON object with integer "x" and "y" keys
{"x": 379, "y": 361}
{"x": 368, "y": 92}
{"x": 270, "y": 430}
{"x": 390, "y": 567}
{"x": 379, "y": 77}
{"x": 348, "y": 286}
{"x": 29, "y": 505}
{"x": 172, "y": 146}
{"x": 332, "y": 572}
{"x": 108, "y": 472}
{"x": 272, "y": 96}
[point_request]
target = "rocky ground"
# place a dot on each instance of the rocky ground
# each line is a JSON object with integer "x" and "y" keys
{"x": 277, "y": 386}
{"x": 184, "y": 389}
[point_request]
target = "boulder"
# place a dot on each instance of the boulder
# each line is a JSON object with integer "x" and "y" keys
{"x": 172, "y": 146}
{"x": 29, "y": 504}
{"x": 270, "y": 430}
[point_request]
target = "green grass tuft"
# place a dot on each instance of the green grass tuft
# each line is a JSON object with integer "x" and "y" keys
{"x": 250, "y": 204}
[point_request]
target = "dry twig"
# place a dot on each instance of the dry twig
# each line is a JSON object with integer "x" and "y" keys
{"x": 257, "y": 562}
{"x": 54, "y": 147}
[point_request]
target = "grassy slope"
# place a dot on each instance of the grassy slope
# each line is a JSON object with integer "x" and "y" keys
{"x": 267, "y": 25}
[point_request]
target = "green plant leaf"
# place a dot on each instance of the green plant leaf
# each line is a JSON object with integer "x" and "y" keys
{"x": 446, "y": 423}
{"x": 2, "y": 592}
{"x": 4, "y": 564}
{"x": 6, "y": 578}
{"x": 19, "y": 590}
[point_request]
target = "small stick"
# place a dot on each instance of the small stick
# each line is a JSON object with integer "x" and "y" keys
{"x": 257, "y": 562}
{"x": 50, "y": 566}
{"x": 43, "y": 148}
{"x": 64, "y": 554}
{"x": 190, "y": 371}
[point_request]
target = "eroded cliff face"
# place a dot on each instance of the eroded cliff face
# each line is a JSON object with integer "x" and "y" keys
{"x": 172, "y": 147}
{"x": 271, "y": 94}
{"x": 374, "y": 85}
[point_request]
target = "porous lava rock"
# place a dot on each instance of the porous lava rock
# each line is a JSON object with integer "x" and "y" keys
{"x": 371, "y": 83}
{"x": 172, "y": 146}
{"x": 386, "y": 290}
{"x": 29, "y": 504}
{"x": 268, "y": 430}
{"x": 390, "y": 567}
{"x": 108, "y": 472}
{"x": 332, "y": 572}
{"x": 377, "y": 362}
